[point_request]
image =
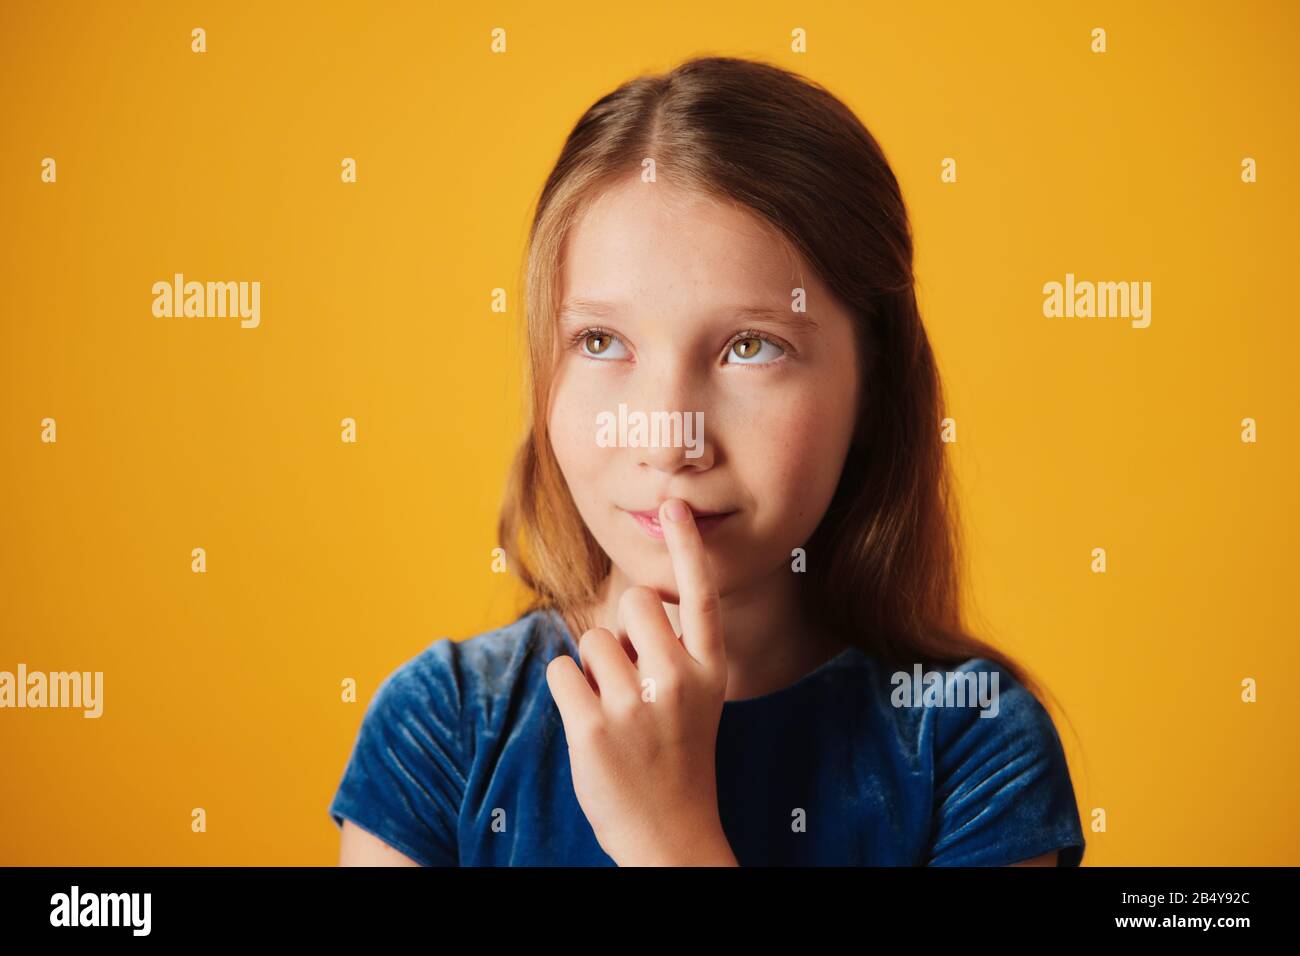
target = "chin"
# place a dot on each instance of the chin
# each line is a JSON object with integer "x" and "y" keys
{"x": 654, "y": 573}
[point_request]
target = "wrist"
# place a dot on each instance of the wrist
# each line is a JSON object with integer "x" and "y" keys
{"x": 710, "y": 848}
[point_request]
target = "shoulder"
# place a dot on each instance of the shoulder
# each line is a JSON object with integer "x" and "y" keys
{"x": 471, "y": 677}
{"x": 418, "y": 745}
{"x": 978, "y": 711}
{"x": 1000, "y": 773}
{"x": 984, "y": 704}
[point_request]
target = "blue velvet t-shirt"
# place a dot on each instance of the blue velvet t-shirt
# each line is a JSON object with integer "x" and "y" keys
{"x": 461, "y": 759}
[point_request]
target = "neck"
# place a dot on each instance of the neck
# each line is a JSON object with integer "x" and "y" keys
{"x": 769, "y": 643}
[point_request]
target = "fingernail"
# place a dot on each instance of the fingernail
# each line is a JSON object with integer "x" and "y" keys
{"x": 677, "y": 511}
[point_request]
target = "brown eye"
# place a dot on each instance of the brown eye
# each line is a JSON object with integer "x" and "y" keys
{"x": 598, "y": 343}
{"x": 754, "y": 349}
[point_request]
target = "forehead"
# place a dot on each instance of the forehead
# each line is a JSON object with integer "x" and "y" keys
{"x": 656, "y": 243}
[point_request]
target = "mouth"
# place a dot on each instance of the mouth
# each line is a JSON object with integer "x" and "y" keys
{"x": 706, "y": 521}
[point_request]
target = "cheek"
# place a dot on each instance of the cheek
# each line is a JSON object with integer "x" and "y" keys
{"x": 572, "y": 427}
{"x": 794, "y": 452}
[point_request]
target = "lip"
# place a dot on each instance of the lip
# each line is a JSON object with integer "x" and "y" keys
{"x": 706, "y": 521}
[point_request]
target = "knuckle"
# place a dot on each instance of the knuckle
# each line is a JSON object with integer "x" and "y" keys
{"x": 584, "y": 733}
{"x": 637, "y": 596}
{"x": 668, "y": 684}
{"x": 709, "y": 602}
{"x": 625, "y": 707}
{"x": 593, "y": 636}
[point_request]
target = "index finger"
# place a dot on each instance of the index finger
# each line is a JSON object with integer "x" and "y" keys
{"x": 698, "y": 606}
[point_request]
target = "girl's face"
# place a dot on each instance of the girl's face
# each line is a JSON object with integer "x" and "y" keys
{"x": 692, "y": 306}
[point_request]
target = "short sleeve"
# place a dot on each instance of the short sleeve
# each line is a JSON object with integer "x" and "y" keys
{"x": 405, "y": 779}
{"x": 1002, "y": 788}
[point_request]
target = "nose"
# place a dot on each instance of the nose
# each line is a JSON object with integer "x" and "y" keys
{"x": 677, "y": 422}
{"x": 691, "y": 453}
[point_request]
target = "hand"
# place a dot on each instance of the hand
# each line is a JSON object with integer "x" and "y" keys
{"x": 642, "y": 724}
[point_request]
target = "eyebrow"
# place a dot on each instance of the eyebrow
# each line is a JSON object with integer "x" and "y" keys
{"x": 759, "y": 313}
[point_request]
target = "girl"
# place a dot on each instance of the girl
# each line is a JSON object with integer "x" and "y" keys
{"x": 746, "y": 648}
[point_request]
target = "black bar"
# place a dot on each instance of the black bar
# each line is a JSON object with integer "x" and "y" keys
{"x": 205, "y": 904}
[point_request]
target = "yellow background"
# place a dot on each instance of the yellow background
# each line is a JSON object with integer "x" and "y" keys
{"x": 328, "y": 560}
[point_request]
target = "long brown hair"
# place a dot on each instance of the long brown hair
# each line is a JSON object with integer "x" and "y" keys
{"x": 883, "y": 564}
